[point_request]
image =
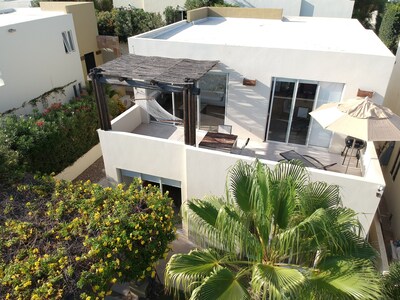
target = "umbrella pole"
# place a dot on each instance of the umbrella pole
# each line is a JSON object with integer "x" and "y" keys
{"x": 351, "y": 153}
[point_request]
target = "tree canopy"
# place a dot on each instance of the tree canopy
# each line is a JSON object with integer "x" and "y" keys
{"x": 275, "y": 236}
{"x": 364, "y": 10}
{"x": 389, "y": 32}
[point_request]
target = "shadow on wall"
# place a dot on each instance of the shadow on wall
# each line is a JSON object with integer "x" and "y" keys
{"x": 249, "y": 109}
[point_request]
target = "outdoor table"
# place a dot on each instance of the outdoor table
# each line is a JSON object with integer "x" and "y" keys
{"x": 218, "y": 141}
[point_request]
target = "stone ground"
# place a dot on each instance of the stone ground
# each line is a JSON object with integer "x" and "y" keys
{"x": 127, "y": 291}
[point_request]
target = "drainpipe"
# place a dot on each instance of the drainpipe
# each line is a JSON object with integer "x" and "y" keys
{"x": 101, "y": 102}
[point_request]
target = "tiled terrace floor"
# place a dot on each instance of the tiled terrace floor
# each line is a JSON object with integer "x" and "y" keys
{"x": 262, "y": 150}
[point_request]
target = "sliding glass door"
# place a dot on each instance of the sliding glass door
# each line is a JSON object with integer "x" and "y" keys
{"x": 212, "y": 100}
{"x": 290, "y": 104}
{"x": 291, "y": 101}
{"x": 304, "y": 103}
{"x": 210, "y": 103}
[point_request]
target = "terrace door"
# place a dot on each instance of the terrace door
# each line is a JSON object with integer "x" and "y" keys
{"x": 291, "y": 101}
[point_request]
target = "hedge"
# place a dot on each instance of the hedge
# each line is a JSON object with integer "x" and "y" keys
{"x": 389, "y": 30}
{"x": 49, "y": 141}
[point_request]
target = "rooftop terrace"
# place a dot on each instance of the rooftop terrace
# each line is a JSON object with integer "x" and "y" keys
{"x": 305, "y": 33}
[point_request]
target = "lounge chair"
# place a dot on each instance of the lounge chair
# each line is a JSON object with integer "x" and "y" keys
{"x": 307, "y": 160}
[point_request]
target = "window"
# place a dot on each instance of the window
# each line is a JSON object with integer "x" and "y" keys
{"x": 68, "y": 41}
{"x": 75, "y": 91}
{"x": 290, "y": 104}
{"x": 165, "y": 184}
{"x": 212, "y": 100}
{"x": 396, "y": 166}
{"x": 1, "y": 81}
{"x": 210, "y": 103}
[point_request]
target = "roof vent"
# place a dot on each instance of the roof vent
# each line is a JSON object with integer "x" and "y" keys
{"x": 7, "y": 11}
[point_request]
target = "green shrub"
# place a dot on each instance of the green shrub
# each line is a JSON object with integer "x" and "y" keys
{"x": 105, "y": 22}
{"x": 52, "y": 140}
{"x": 49, "y": 141}
{"x": 172, "y": 15}
{"x": 126, "y": 22}
{"x": 64, "y": 240}
{"x": 9, "y": 170}
{"x": 389, "y": 30}
{"x": 193, "y": 4}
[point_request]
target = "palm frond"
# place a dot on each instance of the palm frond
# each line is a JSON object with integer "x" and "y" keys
{"x": 297, "y": 172}
{"x": 201, "y": 217}
{"x": 241, "y": 185}
{"x": 222, "y": 285}
{"x": 345, "y": 279}
{"x": 276, "y": 282}
{"x": 391, "y": 281}
{"x": 237, "y": 236}
{"x": 317, "y": 195}
{"x": 282, "y": 201}
{"x": 187, "y": 271}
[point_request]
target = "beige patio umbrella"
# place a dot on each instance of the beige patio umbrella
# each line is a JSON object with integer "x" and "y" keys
{"x": 359, "y": 118}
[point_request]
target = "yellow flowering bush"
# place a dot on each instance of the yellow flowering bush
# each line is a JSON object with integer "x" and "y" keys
{"x": 60, "y": 239}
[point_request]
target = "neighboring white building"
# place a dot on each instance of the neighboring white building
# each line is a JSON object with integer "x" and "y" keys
{"x": 38, "y": 54}
{"x": 306, "y": 8}
{"x": 155, "y": 6}
{"x": 4, "y": 4}
{"x": 271, "y": 73}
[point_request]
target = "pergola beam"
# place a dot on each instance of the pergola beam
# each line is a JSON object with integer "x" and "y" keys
{"x": 163, "y": 74}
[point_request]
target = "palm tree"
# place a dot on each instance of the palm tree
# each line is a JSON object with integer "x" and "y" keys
{"x": 276, "y": 236}
{"x": 391, "y": 282}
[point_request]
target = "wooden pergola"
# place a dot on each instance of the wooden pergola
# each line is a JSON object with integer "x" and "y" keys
{"x": 153, "y": 73}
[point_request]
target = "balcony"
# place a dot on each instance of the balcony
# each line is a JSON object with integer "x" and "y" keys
{"x": 158, "y": 150}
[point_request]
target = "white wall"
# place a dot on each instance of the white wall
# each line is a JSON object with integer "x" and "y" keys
{"x": 15, "y": 4}
{"x": 290, "y": 7}
{"x": 327, "y": 8}
{"x": 203, "y": 172}
{"x": 207, "y": 169}
{"x": 308, "y": 8}
{"x": 143, "y": 154}
{"x": 392, "y": 190}
{"x": 247, "y": 106}
{"x": 128, "y": 120}
{"x": 33, "y": 61}
{"x": 155, "y": 6}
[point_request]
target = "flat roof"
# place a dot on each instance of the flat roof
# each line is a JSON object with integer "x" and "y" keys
{"x": 21, "y": 15}
{"x": 305, "y": 33}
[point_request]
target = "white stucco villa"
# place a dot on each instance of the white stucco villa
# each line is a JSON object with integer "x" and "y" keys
{"x": 38, "y": 54}
{"x": 272, "y": 71}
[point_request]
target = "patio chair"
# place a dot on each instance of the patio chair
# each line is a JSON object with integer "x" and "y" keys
{"x": 244, "y": 145}
{"x": 307, "y": 160}
{"x": 225, "y": 129}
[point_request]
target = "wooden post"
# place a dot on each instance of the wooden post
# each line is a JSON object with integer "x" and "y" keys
{"x": 101, "y": 102}
{"x": 186, "y": 116}
{"x": 192, "y": 117}
{"x": 189, "y": 116}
